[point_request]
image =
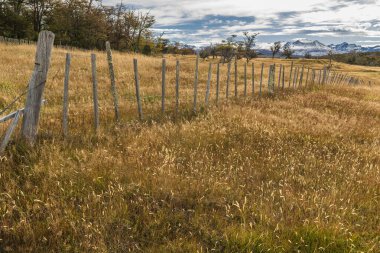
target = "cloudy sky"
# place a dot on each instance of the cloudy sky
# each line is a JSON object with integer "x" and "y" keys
{"x": 201, "y": 22}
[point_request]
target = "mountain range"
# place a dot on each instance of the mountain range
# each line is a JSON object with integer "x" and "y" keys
{"x": 316, "y": 48}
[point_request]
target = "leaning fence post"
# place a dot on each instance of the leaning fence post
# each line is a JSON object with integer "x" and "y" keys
{"x": 9, "y": 131}
{"x": 66, "y": 95}
{"x": 177, "y": 87}
{"x": 112, "y": 77}
{"x": 163, "y": 85}
{"x": 279, "y": 76}
{"x": 95, "y": 91}
{"x": 208, "y": 85}
{"x": 37, "y": 86}
{"x": 217, "y": 82}
{"x": 261, "y": 79}
{"x": 196, "y": 83}
{"x": 137, "y": 84}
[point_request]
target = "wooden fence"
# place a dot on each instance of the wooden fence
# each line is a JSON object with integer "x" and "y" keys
{"x": 174, "y": 97}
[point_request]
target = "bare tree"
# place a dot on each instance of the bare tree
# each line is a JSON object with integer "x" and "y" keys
{"x": 146, "y": 21}
{"x": 275, "y": 48}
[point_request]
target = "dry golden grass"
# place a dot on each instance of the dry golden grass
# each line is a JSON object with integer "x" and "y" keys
{"x": 298, "y": 172}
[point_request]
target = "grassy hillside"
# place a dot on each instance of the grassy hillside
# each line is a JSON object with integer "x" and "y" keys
{"x": 298, "y": 172}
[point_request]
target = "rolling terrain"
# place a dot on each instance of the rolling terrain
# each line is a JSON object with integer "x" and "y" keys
{"x": 297, "y": 172}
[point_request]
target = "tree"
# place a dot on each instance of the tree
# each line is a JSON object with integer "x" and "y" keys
{"x": 228, "y": 48}
{"x": 205, "y": 52}
{"x": 275, "y": 48}
{"x": 287, "y": 52}
{"x": 249, "y": 43}
{"x": 145, "y": 22}
{"x": 307, "y": 55}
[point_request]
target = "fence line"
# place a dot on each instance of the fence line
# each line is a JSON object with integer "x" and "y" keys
{"x": 297, "y": 76}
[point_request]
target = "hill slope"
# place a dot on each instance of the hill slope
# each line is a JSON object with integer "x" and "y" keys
{"x": 297, "y": 172}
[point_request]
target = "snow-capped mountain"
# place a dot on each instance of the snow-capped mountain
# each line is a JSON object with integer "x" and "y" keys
{"x": 301, "y": 47}
{"x": 316, "y": 48}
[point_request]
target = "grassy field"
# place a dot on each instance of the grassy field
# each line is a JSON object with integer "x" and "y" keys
{"x": 297, "y": 172}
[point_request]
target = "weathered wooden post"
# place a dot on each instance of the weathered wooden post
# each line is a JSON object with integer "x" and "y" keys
{"x": 228, "y": 79}
{"x": 163, "y": 85}
{"x": 283, "y": 77}
{"x": 37, "y": 85}
{"x": 217, "y": 82}
{"x": 245, "y": 79}
{"x": 137, "y": 84}
{"x": 9, "y": 132}
{"x": 113, "y": 83}
{"x": 253, "y": 79}
{"x": 208, "y": 85}
{"x": 177, "y": 87}
{"x": 301, "y": 76}
{"x": 279, "y": 76}
{"x": 295, "y": 77}
{"x": 291, "y": 72}
{"x": 271, "y": 78}
{"x": 236, "y": 77}
{"x": 261, "y": 79}
{"x": 95, "y": 92}
{"x": 196, "y": 83}
{"x": 307, "y": 77}
{"x": 66, "y": 96}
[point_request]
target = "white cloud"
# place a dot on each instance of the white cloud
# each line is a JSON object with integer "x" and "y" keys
{"x": 318, "y": 18}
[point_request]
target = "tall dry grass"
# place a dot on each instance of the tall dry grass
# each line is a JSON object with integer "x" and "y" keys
{"x": 298, "y": 172}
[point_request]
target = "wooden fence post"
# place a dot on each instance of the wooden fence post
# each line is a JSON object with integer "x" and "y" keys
{"x": 253, "y": 79}
{"x": 307, "y": 77}
{"x": 228, "y": 79}
{"x": 66, "y": 96}
{"x": 261, "y": 79}
{"x": 283, "y": 77}
{"x": 208, "y": 85}
{"x": 279, "y": 76}
{"x": 177, "y": 87}
{"x": 163, "y": 85}
{"x": 271, "y": 78}
{"x": 95, "y": 92}
{"x": 217, "y": 82}
{"x": 236, "y": 78}
{"x": 37, "y": 86}
{"x": 112, "y": 77}
{"x": 301, "y": 76}
{"x": 137, "y": 84}
{"x": 291, "y": 72}
{"x": 196, "y": 84}
{"x": 295, "y": 77}
{"x": 9, "y": 131}
{"x": 245, "y": 79}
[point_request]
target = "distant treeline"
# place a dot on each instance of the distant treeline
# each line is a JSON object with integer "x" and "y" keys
{"x": 356, "y": 58}
{"x": 85, "y": 24}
